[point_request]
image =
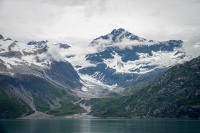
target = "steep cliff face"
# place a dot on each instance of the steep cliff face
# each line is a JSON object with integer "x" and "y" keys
{"x": 176, "y": 94}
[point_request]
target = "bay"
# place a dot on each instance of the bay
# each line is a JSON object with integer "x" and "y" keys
{"x": 99, "y": 126}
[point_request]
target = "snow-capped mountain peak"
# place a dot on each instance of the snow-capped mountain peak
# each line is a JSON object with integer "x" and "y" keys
{"x": 38, "y": 44}
{"x": 63, "y": 45}
{"x": 4, "y": 39}
{"x": 1, "y": 37}
{"x": 128, "y": 58}
{"x": 118, "y": 36}
{"x": 38, "y": 53}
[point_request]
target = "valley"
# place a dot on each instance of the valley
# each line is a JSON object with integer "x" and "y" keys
{"x": 119, "y": 75}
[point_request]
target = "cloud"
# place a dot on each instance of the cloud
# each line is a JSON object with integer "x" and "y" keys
{"x": 26, "y": 19}
{"x": 80, "y": 20}
{"x": 90, "y": 7}
{"x": 54, "y": 52}
{"x": 95, "y": 7}
{"x": 66, "y": 2}
{"x": 78, "y": 53}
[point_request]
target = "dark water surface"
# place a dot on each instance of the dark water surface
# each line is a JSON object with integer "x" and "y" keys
{"x": 99, "y": 126}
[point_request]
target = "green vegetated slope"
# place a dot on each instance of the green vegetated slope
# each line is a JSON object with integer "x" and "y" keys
{"x": 100, "y": 106}
{"x": 17, "y": 92}
{"x": 12, "y": 107}
{"x": 67, "y": 108}
{"x": 176, "y": 94}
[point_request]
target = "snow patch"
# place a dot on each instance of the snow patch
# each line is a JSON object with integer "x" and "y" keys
{"x": 158, "y": 59}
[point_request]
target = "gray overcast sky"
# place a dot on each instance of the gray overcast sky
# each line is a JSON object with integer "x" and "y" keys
{"x": 80, "y": 21}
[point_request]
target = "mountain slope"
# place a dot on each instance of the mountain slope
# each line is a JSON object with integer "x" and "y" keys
{"x": 124, "y": 59}
{"x": 176, "y": 94}
{"x": 35, "y": 77}
{"x": 38, "y": 58}
{"x": 24, "y": 94}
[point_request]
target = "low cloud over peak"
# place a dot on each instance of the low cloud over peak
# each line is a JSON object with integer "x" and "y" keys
{"x": 81, "y": 21}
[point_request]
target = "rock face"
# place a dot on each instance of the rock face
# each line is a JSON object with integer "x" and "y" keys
{"x": 34, "y": 77}
{"x": 1, "y": 37}
{"x": 40, "y": 58}
{"x": 23, "y": 94}
{"x": 124, "y": 59}
{"x": 176, "y": 94}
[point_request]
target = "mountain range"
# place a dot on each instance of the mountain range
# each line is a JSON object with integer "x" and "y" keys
{"x": 47, "y": 79}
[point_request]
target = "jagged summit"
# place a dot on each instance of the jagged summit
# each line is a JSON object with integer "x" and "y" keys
{"x": 1, "y": 37}
{"x": 39, "y": 44}
{"x": 64, "y": 46}
{"x": 118, "y": 31}
{"x": 120, "y": 34}
{"x": 4, "y": 39}
{"x": 116, "y": 36}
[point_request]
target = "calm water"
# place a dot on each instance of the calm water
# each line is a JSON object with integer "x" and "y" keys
{"x": 99, "y": 126}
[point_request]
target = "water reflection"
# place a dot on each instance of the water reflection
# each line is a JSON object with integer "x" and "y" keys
{"x": 85, "y": 126}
